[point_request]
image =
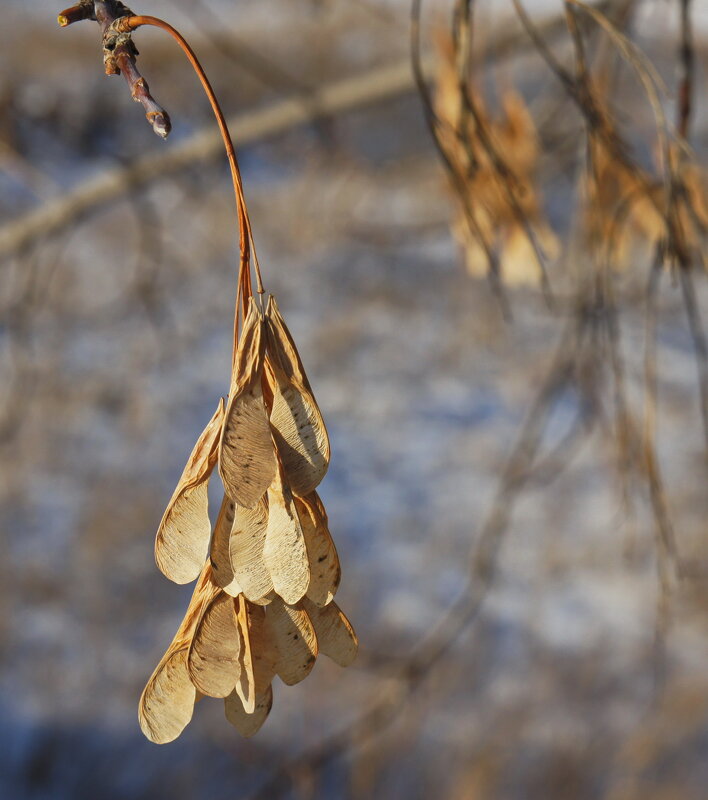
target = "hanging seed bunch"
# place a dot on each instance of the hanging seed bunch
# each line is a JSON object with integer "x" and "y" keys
{"x": 487, "y": 190}
{"x": 267, "y": 573}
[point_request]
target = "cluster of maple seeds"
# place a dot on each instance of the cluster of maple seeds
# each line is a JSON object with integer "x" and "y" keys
{"x": 268, "y": 572}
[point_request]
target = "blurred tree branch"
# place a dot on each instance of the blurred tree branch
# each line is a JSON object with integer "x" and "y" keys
{"x": 335, "y": 98}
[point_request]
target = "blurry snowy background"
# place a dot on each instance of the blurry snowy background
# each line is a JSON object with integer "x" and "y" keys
{"x": 116, "y": 338}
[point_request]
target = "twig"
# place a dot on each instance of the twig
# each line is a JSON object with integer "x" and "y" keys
{"x": 686, "y": 61}
{"x": 119, "y": 54}
{"x": 457, "y": 180}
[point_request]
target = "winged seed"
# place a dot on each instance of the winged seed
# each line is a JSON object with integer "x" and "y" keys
{"x": 213, "y": 655}
{"x": 246, "y": 455}
{"x": 284, "y": 552}
{"x": 167, "y": 702}
{"x": 335, "y": 635}
{"x": 295, "y": 640}
{"x": 183, "y": 535}
{"x": 248, "y": 536}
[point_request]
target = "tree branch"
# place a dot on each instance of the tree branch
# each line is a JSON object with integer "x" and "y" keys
{"x": 119, "y": 55}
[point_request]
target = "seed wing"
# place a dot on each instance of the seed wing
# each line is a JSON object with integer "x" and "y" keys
{"x": 299, "y": 430}
{"x": 335, "y": 635}
{"x": 248, "y": 724}
{"x": 213, "y": 658}
{"x": 284, "y": 552}
{"x": 183, "y": 536}
{"x": 247, "y": 541}
{"x": 325, "y": 571}
{"x": 246, "y": 684}
{"x": 167, "y": 702}
{"x": 246, "y": 457}
{"x": 294, "y": 639}
{"x": 263, "y": 650}
{"x": 223, "y": 574}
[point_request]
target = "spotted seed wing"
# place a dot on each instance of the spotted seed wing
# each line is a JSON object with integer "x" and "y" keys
{"x": 248, "y": 536}
{"x": 294, "y": 639}
{"x": 246, "y": 456}
{"x": 246, "y": 683}
{"x": 248, "y": 724}
{"x": 213, "y": 658}
{"x": 223, "y": 574}
{"x": 298, "y": 428}
{"x": 335, "y": 635}
{"x": 284, "y": 551}
{"x": 325, "y": 571}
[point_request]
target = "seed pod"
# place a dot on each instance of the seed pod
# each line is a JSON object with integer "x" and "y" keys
{"x": 183, "y": 536}
{"x": 335, "y": 635}
{"x": 322, "y": 557}
{"x": 248, "y": 724}
{"x": 294, "y": 639}
{"x": 246, "y": 683}
{"x": 246, "y": 457}
{"x": 298, "y": 428}
{"x": 213, "y": 658}
{"x": 284, "y": 551}
{"x": 246, "y": 545}
{"x": 222, "y": 572}
{"x": 167, "y": 702}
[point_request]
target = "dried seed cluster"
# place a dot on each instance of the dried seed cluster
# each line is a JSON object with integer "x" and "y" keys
{"x": 268, "y": 572}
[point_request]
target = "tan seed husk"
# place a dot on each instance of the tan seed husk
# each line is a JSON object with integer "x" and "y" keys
{"x": 248, "y": 724}
{"x": 167, "y": 702}
{"x": 248, "y": 536}
{"x": 263, "y": 650}
{"x": 299, "y": 430}
{"x": 335, "y": 635}
{"x": 295, "y": 641}
{"x": 223, "y": 574}
{"x": 183, "y": 535}
{"x": 325, "y": 571}
{"x": 213, "y": 658}
{"x": 246, "y": 457}
{"x": 284, "y": 552}
{"x": 246, "y": 683}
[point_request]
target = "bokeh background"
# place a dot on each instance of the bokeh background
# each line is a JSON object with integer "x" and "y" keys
{"x": 580, "y": 676}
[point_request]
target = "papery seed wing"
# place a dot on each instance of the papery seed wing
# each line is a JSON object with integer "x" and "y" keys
{"x": 213, "y": 659}
{"x": 284, "y": 552}
{"x": 288, "y": 355}
{"x": 247, "y": 541}
{"x": 300, "y": 435}
{"x": 223, "y": 574}
{"x": 183, "y": 536}
{"x": 325, "y": 572}
{"x": 263, "y": 651}
{"x": 295, "y": 641}
{"x": 248, "y": 724}
{"x": 299, "y": 430}
{"x": 335, "y": 635}
{"x": 246, "y": 456}
{"x": 246, "y": 684}
{"x": 167, "y": 702}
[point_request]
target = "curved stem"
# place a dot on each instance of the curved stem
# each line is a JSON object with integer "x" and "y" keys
{"x": 246, "y": 242}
